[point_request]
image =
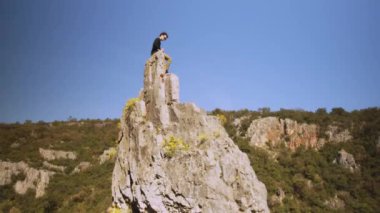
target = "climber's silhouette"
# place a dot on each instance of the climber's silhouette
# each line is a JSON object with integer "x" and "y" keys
{"x": 157, "y": 47}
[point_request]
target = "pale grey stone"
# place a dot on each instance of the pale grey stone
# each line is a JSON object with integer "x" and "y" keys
{"x": 8, "y": 169}
{"x": 34, "y": 178}
{"x": 212, "y": 175}
{"x": 107, "y": 154}
{"x": 338, "y": 135}
{"x": 264, "y": 132}
{"x": 82, "y": 166}
{"x": 346, "y": 160}
{"x": 54, "y": 167}
{"x": 49, "y": 154}
{"x": 172, "y": 88}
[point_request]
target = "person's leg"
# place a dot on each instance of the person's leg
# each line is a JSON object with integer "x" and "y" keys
{"x": 168, "y": 61}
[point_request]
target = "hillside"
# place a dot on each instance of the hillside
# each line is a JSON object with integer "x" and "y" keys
{"x": 85, "y": 191}
{"x": 307, "y": 179}
{"x": 303, "y": 180}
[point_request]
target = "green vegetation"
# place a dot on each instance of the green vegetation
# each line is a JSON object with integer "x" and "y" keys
{"x": 216, "y": 134}
{"x": 174, "y": 145}
{"x": 222, "y": 118}
{"x": 112, "y": 153}
{"x": 202, "y": 137}
{"x": 308, "y": 177}
{"x": 88, "y": 191}
{"x": 130, "y": 103}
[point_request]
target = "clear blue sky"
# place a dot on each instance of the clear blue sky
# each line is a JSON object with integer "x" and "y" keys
{"x": 85, "y": 58}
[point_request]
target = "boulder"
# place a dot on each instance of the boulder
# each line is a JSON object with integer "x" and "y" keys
{"x": 108, "y": 154}
{"x": 82, "y": 166}
{"x": 173, "y": 157}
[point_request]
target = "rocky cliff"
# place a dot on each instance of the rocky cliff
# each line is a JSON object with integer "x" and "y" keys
{"x": 273, "y": 131}
{"x": 173, "y": 157}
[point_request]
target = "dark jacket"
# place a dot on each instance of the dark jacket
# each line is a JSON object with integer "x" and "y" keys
{"x": 156, "y": 46}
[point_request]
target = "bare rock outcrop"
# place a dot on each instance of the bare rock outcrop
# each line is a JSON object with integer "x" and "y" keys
{"x": 335, "y": 134}
{"x": 237, "y": 122}
{"x": 8, "y": 169}
{"x": 34, "y": 178}
{"x": 53, "y": 167}
{"x": 346, "y": 160}
{"x": 335, "y": 203}
{"x": 81, "y": 167}
{"x": 107, "y": 154}
{"x": 173, "y": 157}
{"x": 49, "y": 154}
{"x": 277, "y": 198}
{"x": 274, "y": 131}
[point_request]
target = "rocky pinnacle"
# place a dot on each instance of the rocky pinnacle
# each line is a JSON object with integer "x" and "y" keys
{"x": 173, "y": 157}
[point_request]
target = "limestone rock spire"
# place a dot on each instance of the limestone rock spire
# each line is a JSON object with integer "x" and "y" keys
{"x": 173, "y": 157}
{"x": 160, "y": 89}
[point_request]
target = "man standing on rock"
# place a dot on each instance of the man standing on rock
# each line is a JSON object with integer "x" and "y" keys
{"x": 157, "y": 42}
{"x": 157, "y": 47}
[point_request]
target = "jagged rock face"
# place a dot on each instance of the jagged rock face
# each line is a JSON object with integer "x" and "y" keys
{"x": 34, "y": 178}
{"x": 346, "y": 160}
{"x": 275, "y": 131}
{"x": 264, "y": 130}
{"x": 210, "y": 175}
